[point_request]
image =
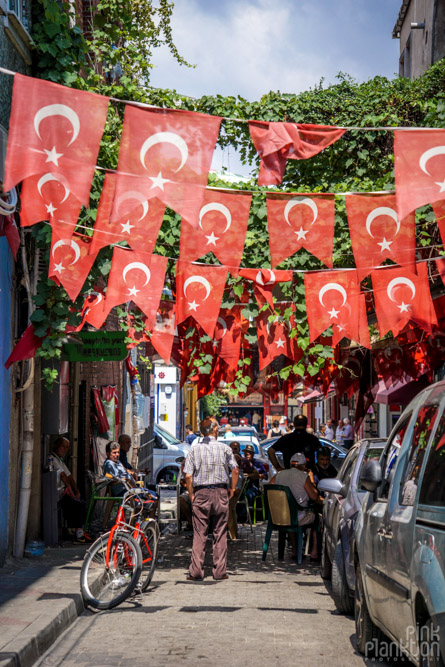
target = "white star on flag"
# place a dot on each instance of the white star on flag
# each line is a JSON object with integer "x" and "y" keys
{"x": 384, "y": 245}
{"x": 193, "y": 305}
{"x": 133, "y": 291}
{"x": 50, "y": 209}
{"x": 59, "y": 267}
{"x": 158, "y": 181}
{"x": 404, "y": 307}
{"x": 441, "y": 186}
{"x": 212, "y": 239}
{"x": 301, "y": 234}
{"x": 215, "y": 342}
{"x": 126, "y": 227}
{"x": 339, "y": 327}
{"x": 333, "y": 313}
{"x": 52, "y": 155}
{"x": 280, "y": 343}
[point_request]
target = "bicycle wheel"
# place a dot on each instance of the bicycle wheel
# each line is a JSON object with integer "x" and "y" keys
{"x": 110, "y": 570}
{"x": 148, "y": 542}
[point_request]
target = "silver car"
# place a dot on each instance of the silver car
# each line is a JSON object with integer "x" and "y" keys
{"x": 344, "y": 497}
{"x": 399, "y": 543}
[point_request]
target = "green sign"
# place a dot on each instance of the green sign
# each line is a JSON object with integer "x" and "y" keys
{"x": 96, "y": 346}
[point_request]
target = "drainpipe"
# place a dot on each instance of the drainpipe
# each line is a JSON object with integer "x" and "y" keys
{"x": 75, "y": 426}
{"x": 28, "y": 422}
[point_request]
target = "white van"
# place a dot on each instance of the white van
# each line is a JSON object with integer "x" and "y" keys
{"x": 168, "y": 455}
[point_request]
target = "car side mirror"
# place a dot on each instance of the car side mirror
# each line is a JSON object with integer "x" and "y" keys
{"x": 371, "y": 475}
{"x": 332, "y": 485}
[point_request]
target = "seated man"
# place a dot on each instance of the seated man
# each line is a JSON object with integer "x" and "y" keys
{"x": 303, "y": 489}
{"x": 323, "y": 469}
{"x": 73, "y": 507}
{"x": 113, "y": 466}
{"x": 254, "y": 470}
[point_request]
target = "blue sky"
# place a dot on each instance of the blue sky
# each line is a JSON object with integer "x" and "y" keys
{"x": 250, "y": 47}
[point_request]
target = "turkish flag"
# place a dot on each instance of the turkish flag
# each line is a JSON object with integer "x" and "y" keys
{"x": 419, "y": 167}
{"x": 378, "y": 234}
{"x": 48, "y": 197}
{"x": 70, "y": 262}
{"x": 393, "y": 362}
{"x": 227, "y": 336}
{"x": 54, "y": 130}
{"x": 221, "y": 228}
{"x": 278, "y": 142}
{"x": 163, "y": 330}
{"x": 264, "y": 281}
{"x": 94, "y": 309}
{"x": 137, "y": 277}
{"x": 169, "y": 152}
{"x": 300, "y": 221}
{"x": 199, "y": 291}
{"x": 333, "y": 299}
{"x": 273, "y": 337}
{"x": 401, "y": 296}
{"x": 9, "y": 229}
{"x": 139, "y": 226}
{"x": 347, "y": 379}
{"x": 26, "y": 347}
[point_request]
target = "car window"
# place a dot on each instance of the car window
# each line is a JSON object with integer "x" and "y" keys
{"x": 347, "y": 467}
{"x": 391, "y": 453}
{"x": 372, "y": 454}
{"x": 165, "y": 435}
{"x": 432, "y": 491}
{"x": 421, "y": 434}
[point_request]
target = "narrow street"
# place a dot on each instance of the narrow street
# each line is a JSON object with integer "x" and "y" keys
{"x": 266, "y": 613}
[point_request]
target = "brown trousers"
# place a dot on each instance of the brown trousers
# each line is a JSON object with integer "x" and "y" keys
{"x": 210, "y": 511}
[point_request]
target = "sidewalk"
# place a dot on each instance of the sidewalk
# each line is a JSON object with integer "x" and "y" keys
{"x": 39, "y": 599}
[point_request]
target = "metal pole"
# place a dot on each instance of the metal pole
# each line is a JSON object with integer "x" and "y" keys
{"x": 75, "y": 443}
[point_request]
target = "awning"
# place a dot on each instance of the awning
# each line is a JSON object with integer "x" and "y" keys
{"x": 400, "y": 393}
{"x": 313, "y": 397}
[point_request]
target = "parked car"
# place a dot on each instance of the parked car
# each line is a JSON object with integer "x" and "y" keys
{"x": 241, "y": 433}
{"x": 245, "y": 435}
{"x": 340, "y": 508}
{"x": 168, "y": 455}
{"x": 399, "y": 542}
{"x": 338, "y": 453}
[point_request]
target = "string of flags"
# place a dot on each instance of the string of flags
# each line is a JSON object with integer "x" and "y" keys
{"x": 164, "y": 161}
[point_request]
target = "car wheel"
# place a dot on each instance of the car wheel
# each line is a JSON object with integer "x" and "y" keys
{"x": 340, "y": 589}
{"x": 326, "y": 567}
{"x": 169, "y": 475}
{"x": 429, "y": 647}
{"x": 368, "y": 635}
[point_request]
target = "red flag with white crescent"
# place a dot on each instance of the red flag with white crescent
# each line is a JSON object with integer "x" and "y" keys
{"x": 264, "y": 281}
{"x": 48, "y": 197}
{"x": 137, "y": 277}
{"x": 309, "y": 223}
{"x": 273, "y": 337}
{"x": 221, "y": 228}
{"x": 163, "y": 330}
{"x": 56, "y": 130}
{"x": 401, "y": 296}
{"x": 378, "y": 234}
{"x": 199, "y": 292}
{"x": 169, "y": 152}
{"x": 139, "y": 226}
{"x": 278, "y": 142}
{"x": 70, "y": 262}
{"x": 94, "y": 309}
{"x": 333, "y": 299}
{"x": 226, "y": 341}
{"x": 9, "y": 229}
{"x": 419, "y": 167}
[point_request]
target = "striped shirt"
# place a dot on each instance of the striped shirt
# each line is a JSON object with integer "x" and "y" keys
{"x": 210, "y": 462}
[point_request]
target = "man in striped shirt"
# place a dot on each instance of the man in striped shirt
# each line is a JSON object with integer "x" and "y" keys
{"x": 211, "y": 474}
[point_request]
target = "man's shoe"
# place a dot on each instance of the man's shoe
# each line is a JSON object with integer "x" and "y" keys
{"x": 223, "y": 578}
{"x": 84, "y": 539}
{"x": 190, "y": 578}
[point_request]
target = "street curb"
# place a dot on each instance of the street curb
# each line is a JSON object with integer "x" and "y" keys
{"x": 25, "y": 650}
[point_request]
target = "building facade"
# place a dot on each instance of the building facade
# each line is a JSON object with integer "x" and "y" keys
{"x": 420, "y": 27}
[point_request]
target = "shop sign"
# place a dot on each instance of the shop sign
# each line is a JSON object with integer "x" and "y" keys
{"x": 96, "y": 346}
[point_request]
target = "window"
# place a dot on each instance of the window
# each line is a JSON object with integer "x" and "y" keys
{"x": 372, "y": 454}
{"x": 347, "y": 468}
{"x": 18, "y": 7}
{"x": 423, "y": 427}
{"x": 432, "y": 491}
{"x": 391, "y": 454}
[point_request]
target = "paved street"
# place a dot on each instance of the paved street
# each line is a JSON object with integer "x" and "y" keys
{"x": 273, "y": 613}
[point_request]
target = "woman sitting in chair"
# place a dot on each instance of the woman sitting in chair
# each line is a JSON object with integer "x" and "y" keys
{"x": 303, "y": 489}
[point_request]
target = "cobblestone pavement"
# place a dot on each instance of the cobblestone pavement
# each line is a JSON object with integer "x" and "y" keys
{"x": 274, "y": 613}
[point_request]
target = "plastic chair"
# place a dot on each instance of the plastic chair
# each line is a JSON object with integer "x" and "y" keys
{"x": 282, "y": 512}
{"x": 244, "y": 501}
{"x": 100, "y": 484}
{"x": 260, "y": 498}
